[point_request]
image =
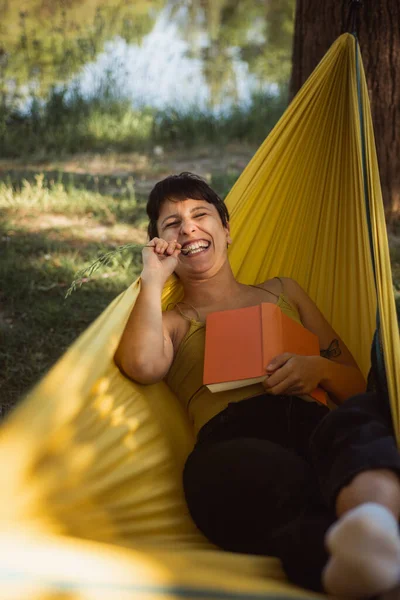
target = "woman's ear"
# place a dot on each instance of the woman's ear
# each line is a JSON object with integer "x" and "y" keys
{"x": 228, "y": 234}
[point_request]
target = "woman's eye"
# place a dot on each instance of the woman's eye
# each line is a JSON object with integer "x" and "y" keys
{"x": 172, "y": 224}
{"x": 200, "y": 215}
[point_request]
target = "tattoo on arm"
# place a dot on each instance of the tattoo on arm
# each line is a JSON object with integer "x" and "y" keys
{"x": 333, "y": 351}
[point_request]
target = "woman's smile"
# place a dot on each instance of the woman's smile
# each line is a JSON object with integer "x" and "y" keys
{"x": 195, "y": 247}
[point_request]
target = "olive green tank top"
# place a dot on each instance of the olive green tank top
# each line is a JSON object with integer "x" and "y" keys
{"x": 185, "y": 377}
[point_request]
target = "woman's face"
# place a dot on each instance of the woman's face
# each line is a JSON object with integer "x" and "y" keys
{"x": 196, "y": 225}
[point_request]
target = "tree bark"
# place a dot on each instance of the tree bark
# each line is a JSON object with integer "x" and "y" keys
{"x": 317, "y": 26}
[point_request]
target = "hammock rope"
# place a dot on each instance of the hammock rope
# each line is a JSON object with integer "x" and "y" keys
{"x": 353, "y": 20}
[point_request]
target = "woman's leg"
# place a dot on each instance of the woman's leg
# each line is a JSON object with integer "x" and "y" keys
{"x": 358, "y": 464}
{"x": 254, "y": 496}
{"x": 354, "y": 438}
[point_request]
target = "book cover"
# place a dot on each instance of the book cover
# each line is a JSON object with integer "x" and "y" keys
{"x": 240, "y": 344}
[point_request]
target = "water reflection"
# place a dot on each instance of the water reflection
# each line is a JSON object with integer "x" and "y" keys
{"x": 182, "y": 53}
{"x": 162, "y": 72}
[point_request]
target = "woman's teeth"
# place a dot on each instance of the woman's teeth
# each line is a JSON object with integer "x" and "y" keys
{"x": 194, "y": 248}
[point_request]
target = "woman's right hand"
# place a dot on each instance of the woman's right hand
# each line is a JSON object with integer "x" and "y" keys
{"x": 159, "y": 260}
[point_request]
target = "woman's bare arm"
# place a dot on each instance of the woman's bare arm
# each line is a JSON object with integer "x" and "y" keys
{"x": 335, "y": 370}
{"x": 145, "y": 351}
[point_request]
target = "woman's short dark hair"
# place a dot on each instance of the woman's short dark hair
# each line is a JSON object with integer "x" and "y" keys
{"x": 181, "y": 187}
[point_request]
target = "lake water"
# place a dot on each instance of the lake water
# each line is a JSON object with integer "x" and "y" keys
{"x": 186, "y": 54}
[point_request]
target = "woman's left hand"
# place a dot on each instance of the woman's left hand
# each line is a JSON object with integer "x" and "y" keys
{"x": 292, "y": 374}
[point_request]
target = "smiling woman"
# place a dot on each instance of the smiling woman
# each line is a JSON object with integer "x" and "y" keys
{"x": 181, "y": 187}
{"x": 253, "y": 479}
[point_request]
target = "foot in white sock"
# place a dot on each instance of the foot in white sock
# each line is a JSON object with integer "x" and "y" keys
{"x": 365, "y": 553}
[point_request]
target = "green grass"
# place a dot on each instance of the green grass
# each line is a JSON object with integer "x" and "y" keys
{"x": 53, "y": 225}
{"x": 190, "y": 128}
{"x": 64, "y": 124}
{"x": 60, "y": 194}
{"x": 36, "y": 323}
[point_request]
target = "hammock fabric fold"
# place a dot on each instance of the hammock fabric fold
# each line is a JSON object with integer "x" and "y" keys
{"x": 91, "y": 498}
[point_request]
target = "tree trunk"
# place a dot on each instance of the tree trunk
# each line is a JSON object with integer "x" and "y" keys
{"x": 317, "y": 26}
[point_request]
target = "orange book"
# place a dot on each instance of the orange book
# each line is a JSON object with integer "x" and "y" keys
{"x": 241, "y": 343}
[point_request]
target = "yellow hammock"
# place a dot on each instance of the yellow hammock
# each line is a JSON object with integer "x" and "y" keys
{"x": 91, "y": 505}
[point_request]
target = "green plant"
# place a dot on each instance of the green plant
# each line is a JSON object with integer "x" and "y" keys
{"x": 104, "y": 260}
{"x": 67, "y": 122}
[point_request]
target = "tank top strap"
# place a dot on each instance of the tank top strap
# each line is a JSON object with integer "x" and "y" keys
{"x": 268, "y": 291}
{"x": 186, "y": 316}
{"x": 281, "y": 282}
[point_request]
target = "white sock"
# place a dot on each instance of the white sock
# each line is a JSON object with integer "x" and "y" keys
{"x": 365, "y": 553}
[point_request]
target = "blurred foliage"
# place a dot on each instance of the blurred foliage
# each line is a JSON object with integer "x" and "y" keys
{"x": 45, "y": 42}
{"x": 68, "y": 124}
{"x": 272, "y": 61}
{"x": 250, "y": 123}
{"x": 259, "y": 32}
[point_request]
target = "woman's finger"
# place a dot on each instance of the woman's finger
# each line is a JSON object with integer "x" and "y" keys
{"x": 161, "y": 246}
{"x": 279, "y": 389}
{"x": 277, "y": 362}
{"x": 279, "y": 375}
{"x": 172, "y": 246}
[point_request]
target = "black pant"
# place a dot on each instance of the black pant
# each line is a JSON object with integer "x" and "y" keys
{"x": 264, "y": 474}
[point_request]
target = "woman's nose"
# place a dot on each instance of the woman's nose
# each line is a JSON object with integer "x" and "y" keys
{"x": 188, "y": 226}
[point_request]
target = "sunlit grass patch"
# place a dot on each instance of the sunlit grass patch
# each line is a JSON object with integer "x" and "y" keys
{"x": 39, "y": 264}
{"x": 42, "y": 196}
